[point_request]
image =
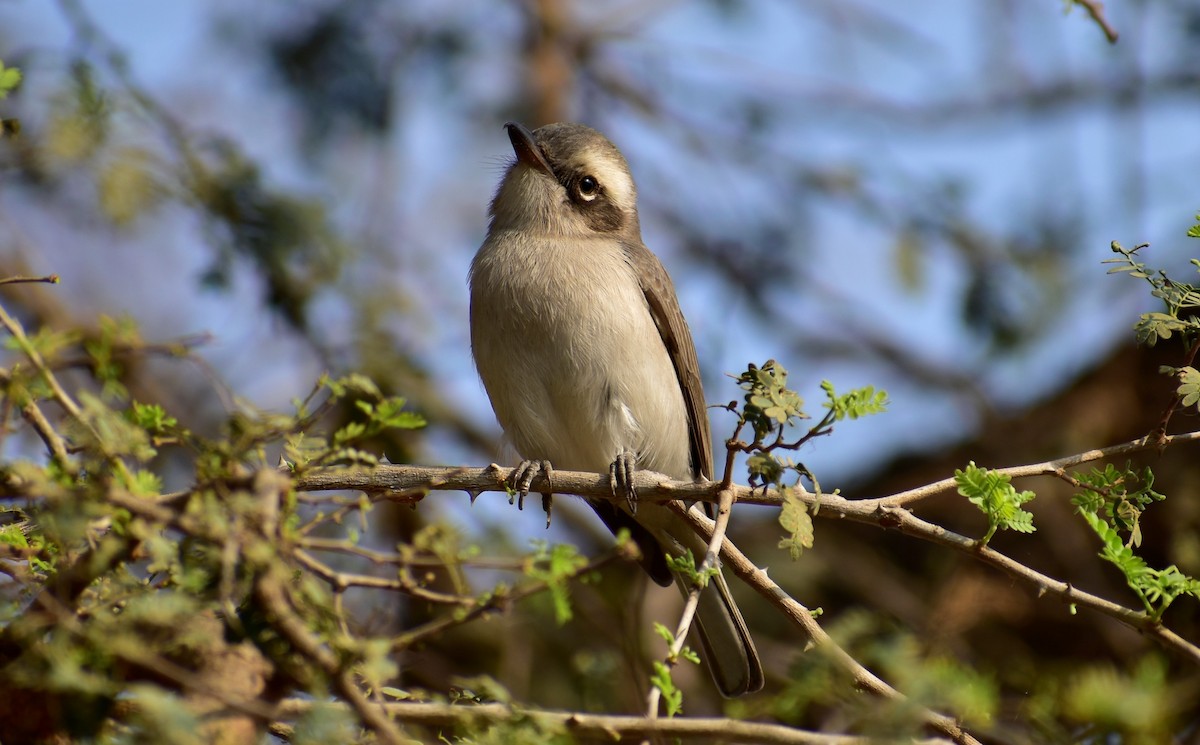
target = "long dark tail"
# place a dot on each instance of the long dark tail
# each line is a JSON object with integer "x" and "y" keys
{"x": 724, "y": 639}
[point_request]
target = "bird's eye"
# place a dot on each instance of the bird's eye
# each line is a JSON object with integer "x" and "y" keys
{"x": 588, "y": 188}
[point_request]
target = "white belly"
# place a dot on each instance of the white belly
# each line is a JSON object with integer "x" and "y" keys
{"x": 571, "y": 358}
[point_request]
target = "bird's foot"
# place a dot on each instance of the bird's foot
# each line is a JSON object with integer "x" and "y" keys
{"x": 620, "y": 478}
{"x": 522, "y": 478}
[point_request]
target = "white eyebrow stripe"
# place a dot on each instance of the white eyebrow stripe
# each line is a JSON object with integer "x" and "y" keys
{"x": 613, "y": 179}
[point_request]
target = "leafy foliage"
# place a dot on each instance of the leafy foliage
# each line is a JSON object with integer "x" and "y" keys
{"x": 770, "y": 404}
{"x": 794, "y": 519}
{"x": 1109, "y": 508}
{"x": 672, "y": 697}
{"x": 995, "y": 496}
{"x": 1121, "y": 495}
{"x": 10, "y": 78}
{"x": 1135, "y": 707}
{"x": 1189, "y": 387}
{"x": 770, "y": 408}
{"x": 685, "y": 565}
{"x": 856, "y": 404}
{"x": 1179, "y": 298}
{"x": 556, "y": 566}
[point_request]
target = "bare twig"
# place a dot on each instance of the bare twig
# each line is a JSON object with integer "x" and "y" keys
{"x": 271, "y": 591}
{"x": 54, "y": 443}
{"x": 380, "y": 558}
{"x": 52, "y": 279}
{"x": 491, "y": 604}
{"x": 800, "y": 615}
{"x": 1095, "y": 9}
{"x": 405, "y": 584}
{"x": 597, "y": 726}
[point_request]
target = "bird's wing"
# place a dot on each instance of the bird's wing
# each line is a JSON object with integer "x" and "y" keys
{"x": 673, "y": 330}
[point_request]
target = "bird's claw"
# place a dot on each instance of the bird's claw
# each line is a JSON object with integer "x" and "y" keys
{"x": 620, "y": 478}
{"x": 522, "y": 478}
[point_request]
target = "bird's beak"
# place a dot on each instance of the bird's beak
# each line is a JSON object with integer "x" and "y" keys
{"x": 526, "y": 149}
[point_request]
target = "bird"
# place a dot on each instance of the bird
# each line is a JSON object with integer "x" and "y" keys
{"x": 581, "y": 345}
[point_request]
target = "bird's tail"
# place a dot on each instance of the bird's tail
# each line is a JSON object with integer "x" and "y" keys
{"x": 724, "y": 639}
{"x": 728, "y": 648}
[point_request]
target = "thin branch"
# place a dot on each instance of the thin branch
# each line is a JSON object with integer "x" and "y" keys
{"x": 886, "y": 512}
{"x": 271, "y": 591}
{"x": 688, "y": 614}
{"x": 341, "y": 581}
{"x": 494, "y": 602}
{"x": 382, "y": 481}
{"x": 52, "y": 279}
{"x": 1045, "y": 468}
{"x": 864, "y": 679}
{"x": 1095, "y": 9}
{"x": 381, "y": 558}
{"x": 54, "y": 443}
{"x": 597, "y": 726}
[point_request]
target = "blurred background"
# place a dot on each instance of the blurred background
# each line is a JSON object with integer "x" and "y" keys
{"x": 916, "y": 197}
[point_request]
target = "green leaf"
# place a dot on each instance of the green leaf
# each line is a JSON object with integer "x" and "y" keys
{"x": 769, "y": 402}
{"x": 857, "y": 403}
{"x": 348, "y": 384}
{"x": 1189, "y": 387}
{"x": 10, "y": 78}
{"x": 388, "y": 414}
{"x": 1157, "y": 588}
{"x": 685, "y": 565}
{"x": 556, "y": 567}
{"x": 150, "y": 417}
{"x": 995, "y": 497}
{"x": 672, "y": 697}
{"x": 794, "y": 519}
{"x": 1121, "y": 495}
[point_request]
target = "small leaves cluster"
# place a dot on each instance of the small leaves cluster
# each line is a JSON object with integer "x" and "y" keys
{"x": 1179, "y": 298}
{"x": 1120, "y": 496}
{"x": 1111, "y": 502}
{"x": 772, "y": 410}
{"x": 856, "y": 404}
{"x": 685, "y": 566}
{"x": 1156, "y": 588}
{"x": 556, "y": 566}
{"x": 145, "y": 582}
{"x": 995, "y": 496}
{"x": 10, "y": 78}
{"x": 660, "y": 678}
{"x": 770, "y": 404}
{"x": 377, "y": 414}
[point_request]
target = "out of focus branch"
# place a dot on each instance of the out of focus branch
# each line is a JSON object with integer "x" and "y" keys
{"x": 1095, "y": 9}
{"x": 598, "y": 725}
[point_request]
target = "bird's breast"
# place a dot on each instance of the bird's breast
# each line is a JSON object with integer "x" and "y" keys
{"x": 570, "y": 354}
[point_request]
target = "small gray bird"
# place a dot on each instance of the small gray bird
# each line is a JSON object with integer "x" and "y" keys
{"x": 587, "y": 359}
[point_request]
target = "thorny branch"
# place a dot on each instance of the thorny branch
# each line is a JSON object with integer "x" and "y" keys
{"x": 885, "y": 512}
{"x": 804, "y": 619}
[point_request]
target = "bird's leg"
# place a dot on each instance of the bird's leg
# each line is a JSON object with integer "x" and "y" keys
{"x": 524, "y": 474}
{"x": 620, "y": 478}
